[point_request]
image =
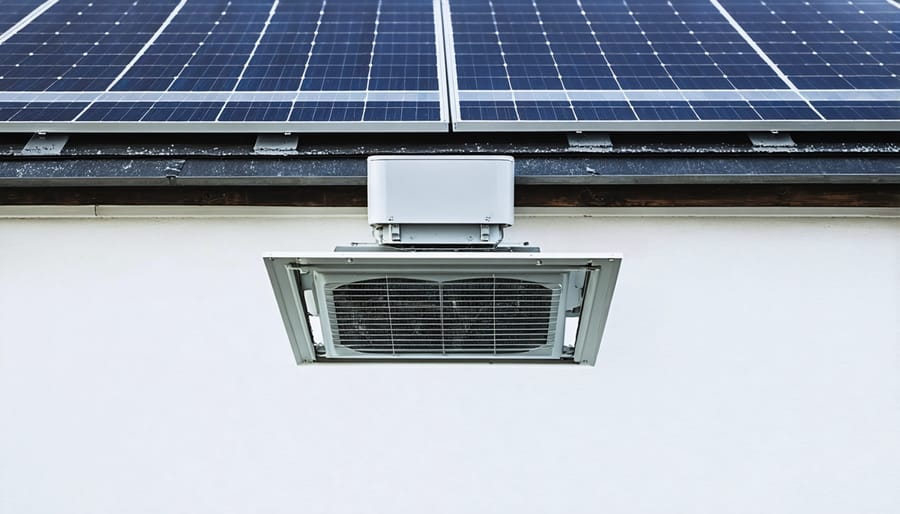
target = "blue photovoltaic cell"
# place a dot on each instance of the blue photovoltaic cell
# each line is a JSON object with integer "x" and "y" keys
{"x": 183, "y": 111}
{"x": 327, "y": 111}
{"x": 847, "y": 44}
{"x": 256, "y": 111}
{"x": 213, "y": 45}
{"x": 78, "y": 45}
{"x": 297, "y": 46}
{"x": 223, "y": 60}
{"x": 859, "y": 110}
{"x": 331, "y": 111}
{"x": 725, "y": 111}
{"x": 204, "y": 48}
{"x": 784, "y": 110}
{"x": 117, "y": 111}
{"x": 349, "y": 56}
{"x": 490, "y": 110}
{"x": 540, "y": 110}
{"x": 397, "y": 111}
{"x": 11, "y": 11}
{"x": 601, "y": 110}
{"x": 149, "y": 111}
{"x": 40, "y": 111}
{"x": 262, "y": 111}
{"x": 635, "y": 44}
{"x": 655, "y": 60}
{"x": 664, "y": 111}
{"x": 284, "y": 51}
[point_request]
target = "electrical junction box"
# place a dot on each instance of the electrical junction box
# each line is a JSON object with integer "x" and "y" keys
{"x": 433, "y": 200}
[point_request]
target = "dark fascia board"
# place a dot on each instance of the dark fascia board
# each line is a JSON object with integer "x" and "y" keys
{"x": 836, "y": 168}
{"x": 647, "y": 170}
{"x": 526, "y": 195}
{"x": 130, "y": 160}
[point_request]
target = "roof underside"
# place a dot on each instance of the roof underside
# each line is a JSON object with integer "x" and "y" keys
{"x": 132, "y": 160}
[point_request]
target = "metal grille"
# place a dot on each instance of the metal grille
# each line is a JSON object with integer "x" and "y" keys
{"x": 481, "y": 316}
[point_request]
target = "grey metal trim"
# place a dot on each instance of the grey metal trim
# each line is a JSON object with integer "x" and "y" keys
{"x": 450, "y": 360}
{"x": 677, "y": 126}
{"x": 441, "y": 126}
{"x": 452, "y": 79}
{"x": 287, "y": 297}
{"x": 222, "y": 126}
{"x": 439, "y": 44}
{"x": 438, "y": 261}
{"x": 598, "y": 293}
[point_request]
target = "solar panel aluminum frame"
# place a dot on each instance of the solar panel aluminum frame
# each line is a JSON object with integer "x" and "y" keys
{"x": 260, "y": 127}
{"x": 460, "y": 125}
{"x": 212, "y": 127}
{"x": 579, "y": 126}
{"x": 587, "y": 281}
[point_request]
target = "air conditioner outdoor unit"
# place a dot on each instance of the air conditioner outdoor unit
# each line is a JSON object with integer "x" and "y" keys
{"x": 440, "y": 285}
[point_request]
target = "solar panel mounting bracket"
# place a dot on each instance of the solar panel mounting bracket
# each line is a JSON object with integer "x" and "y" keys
{"x": 590, "y": 140}
{"x": 276, "y": 144}
{"x": 45, "y": 144}
{"x": 772, "y": 139}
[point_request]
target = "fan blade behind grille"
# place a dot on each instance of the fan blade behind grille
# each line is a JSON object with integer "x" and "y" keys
{"x": 484, "y": 315}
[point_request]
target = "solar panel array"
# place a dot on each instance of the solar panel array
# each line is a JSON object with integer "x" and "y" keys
{"x": 531, "y": 64}
{"x": 265, "y": 65}
{"x": 373, "y": 65}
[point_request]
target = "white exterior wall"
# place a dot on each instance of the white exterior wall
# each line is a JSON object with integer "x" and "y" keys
{"x": 750, "y": 365}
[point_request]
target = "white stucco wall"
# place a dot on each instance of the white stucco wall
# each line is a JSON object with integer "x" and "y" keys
{"x": 750, "y": 365}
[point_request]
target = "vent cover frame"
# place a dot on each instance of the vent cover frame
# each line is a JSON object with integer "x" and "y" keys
{"x": 586, "y": 284}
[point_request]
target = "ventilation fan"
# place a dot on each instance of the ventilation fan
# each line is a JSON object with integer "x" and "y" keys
{"x": 440, "y": 285}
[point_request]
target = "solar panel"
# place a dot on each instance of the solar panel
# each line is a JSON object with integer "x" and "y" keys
{"x": 670, "y": 65}
{"x": 13, "y": 11}
{"x": 220, "y": 65}
{"x": 851, "y": 46}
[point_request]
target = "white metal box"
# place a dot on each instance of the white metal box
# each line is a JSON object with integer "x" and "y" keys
{"x": 440, "y": 190}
